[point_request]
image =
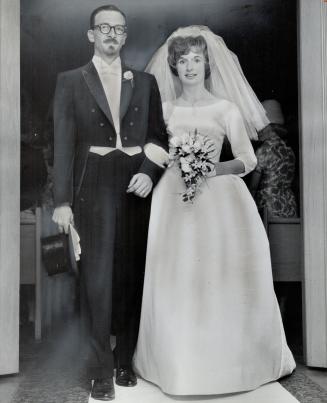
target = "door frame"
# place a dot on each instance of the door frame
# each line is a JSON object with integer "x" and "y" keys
{"x": 312, "y": 28}
{"x": 9, "y": 184}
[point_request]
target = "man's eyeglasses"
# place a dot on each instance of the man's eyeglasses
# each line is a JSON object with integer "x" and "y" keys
{"x": 106, "y": 29}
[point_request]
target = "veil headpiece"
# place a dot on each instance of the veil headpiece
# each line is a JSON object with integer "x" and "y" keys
{"x": 226, "y": 80}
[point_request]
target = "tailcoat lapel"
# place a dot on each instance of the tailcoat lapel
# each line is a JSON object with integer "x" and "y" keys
{"x": 127, "y": 86}
{"x": 94, "y": 83}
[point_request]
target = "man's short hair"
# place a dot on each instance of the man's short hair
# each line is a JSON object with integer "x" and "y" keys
{"x": 108, "y": 7}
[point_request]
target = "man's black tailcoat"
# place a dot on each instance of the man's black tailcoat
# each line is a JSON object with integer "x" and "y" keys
{"x": 112, "y": 223}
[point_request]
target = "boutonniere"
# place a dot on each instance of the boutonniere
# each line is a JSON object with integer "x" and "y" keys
{"x": 128, "y": 76}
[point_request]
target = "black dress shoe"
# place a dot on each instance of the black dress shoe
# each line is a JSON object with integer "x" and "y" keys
{"x": 103, "y": 389}
{"x": 125, "y": 377}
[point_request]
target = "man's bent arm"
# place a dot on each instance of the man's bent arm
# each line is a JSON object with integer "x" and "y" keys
{"x": 157, "y": 137}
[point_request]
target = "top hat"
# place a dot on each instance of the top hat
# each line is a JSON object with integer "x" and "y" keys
{"x": 58, "y": 254}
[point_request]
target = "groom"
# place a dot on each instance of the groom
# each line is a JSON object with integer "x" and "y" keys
{"x": 110, "y": 140}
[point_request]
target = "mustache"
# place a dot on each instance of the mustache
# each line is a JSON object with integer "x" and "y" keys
{"x": 111, "y": 40}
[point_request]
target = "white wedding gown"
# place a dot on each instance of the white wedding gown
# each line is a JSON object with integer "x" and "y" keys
{"x": 210, "y": 320}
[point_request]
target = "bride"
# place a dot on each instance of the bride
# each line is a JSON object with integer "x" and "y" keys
{"x": 210, "y": 321}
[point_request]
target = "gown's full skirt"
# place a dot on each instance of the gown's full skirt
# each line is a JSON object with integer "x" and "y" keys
{"x": 210, "y": 320}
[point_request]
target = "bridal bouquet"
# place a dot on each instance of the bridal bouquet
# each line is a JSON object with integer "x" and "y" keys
{"x": 192, "y": 152}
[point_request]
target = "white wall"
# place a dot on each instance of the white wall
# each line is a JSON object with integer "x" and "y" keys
{"x": 9, "y": 184}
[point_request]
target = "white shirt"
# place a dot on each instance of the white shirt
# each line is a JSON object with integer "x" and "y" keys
{"x": 111, "y": 76}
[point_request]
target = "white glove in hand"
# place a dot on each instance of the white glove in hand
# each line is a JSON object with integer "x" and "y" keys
{"x": 141, "y": 185}
{"x": 63, "y": 216}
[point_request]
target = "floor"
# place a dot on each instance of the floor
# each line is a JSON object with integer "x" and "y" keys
{"x": 145, "y": 392}
{"x": 319, "y": 376}
{"x": 47, "y": 367}
{"x": 53, "y": 371}
{"x": 8, "y": 386}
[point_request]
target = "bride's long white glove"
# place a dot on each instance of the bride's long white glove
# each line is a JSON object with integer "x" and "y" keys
{"x": 63, "y": 217}
{"x": 212, "y": 153}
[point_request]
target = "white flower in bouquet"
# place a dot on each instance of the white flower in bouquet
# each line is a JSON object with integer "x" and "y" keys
{"x": 175, "y": 141}
{"x": 186, "y": 148}
{"x": 190, "y": 158}
{"x": 198, "y": 145}
{"x": 185, "y": 138}
{"x": 199, "y": 165}
{"x": 185, "y": 166}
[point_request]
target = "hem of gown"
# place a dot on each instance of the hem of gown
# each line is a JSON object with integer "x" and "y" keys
{"x": 227, "y": 391}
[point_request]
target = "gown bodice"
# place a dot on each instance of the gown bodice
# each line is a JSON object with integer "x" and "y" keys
{"x": 217, "y": 120}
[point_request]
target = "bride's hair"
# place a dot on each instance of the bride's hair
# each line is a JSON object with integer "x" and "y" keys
{"x": 180, "y": 46}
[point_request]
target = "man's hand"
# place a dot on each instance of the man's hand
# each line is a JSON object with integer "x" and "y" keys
{"x": 141, "y": 185}
{"x": 63, "y": 216}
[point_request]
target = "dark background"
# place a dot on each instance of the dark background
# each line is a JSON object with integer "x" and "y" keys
{"x": 262, "y": 33}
